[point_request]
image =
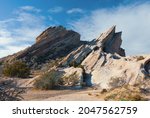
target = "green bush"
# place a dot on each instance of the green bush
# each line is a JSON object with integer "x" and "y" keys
{"x": 70, "y": 80}
{"x": 1, "y": 63}
{"x": 74, "y": 64}
{"x": 48, "y": 80}
{"x": 16, "y": 69}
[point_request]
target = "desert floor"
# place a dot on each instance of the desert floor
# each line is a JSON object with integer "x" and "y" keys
{"x": 62, "y": 95}
{"x": 87, "y": 94}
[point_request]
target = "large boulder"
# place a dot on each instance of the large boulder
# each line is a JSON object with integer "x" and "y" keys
{"x": 119, "y": 72}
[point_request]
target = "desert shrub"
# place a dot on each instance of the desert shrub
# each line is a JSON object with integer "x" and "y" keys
{"x": 70, "y": 80}
{"x": 139, "y": 58}
{"x": 9, "y": 91}
{"x": 1, "y": 63}
{"x": 16, "y": 69}
{"x": 74, "y": 64}
{"x": 125, "y": 93}
{"x": 48, "y": 80}
{"x": 54, "y": 63}
{"x": 117, "y": 82}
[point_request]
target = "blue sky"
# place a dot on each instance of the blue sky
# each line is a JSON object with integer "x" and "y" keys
{"x": 21, "y": 21}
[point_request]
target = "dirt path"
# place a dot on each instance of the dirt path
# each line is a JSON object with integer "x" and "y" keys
{"x": 61, "y": 95}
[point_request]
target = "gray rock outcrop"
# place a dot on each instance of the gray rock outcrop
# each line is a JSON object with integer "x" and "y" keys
{"x": 105, "y": 64}
{"x": 101, "y": 62}
{"x": 54, "y": 42}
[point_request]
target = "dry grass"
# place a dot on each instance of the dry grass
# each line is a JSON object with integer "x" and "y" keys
{"x": 9, "y": 91}
{"x": 125, "y": 93}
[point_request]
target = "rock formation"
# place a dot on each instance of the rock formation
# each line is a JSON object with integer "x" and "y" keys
{"x": 54, "y": 42}
{"x": 100, "y": 63}
{"x": 105, "y": 64}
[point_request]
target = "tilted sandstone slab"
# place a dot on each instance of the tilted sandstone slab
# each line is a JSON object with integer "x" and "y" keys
{"x": 54, "y": 42}
{"x": 102, "y": 60}
{"x": 105, "y": 65}
{"x": 77, "y": 56}
{"x": 111, "y": 41}
{"x": 118, "y": 72}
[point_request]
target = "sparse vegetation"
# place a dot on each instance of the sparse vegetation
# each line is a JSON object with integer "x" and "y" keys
{"x": 16, "y": 69}
{"x": 117, "y": 82}
{"x": 125, "y": 93}
{"x": 70, "y": 80}
{"x": 74, "y": 64}
{"x": 103, "y": 91}
{"x": 9, "y": 91}
{"x": 54, "y": 63}
{"x": 139, "y": 58}
{"x": 89, "y": 94}
{"x": 47, "y": 81}
{"x": 1, "y": 63}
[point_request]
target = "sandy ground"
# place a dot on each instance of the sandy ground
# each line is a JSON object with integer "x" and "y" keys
{"x": 65, "y": 95}
{"x": 61, "y": 95}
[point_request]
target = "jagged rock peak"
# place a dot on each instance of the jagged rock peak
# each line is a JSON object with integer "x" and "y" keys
{"x": 111, "y": 41}
{"x": 53, "y": 32}
{"x": 105, "y": 35}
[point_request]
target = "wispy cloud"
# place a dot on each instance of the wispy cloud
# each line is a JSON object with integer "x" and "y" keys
{"x": 56, "y": 9}
{"x": 133, "y": 20}
{"x": 20, "y": 31}
{"x": 30, "y": 8}
{"x": 75, "y": 10}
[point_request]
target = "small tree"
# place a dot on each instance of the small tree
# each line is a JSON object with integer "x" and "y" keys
{"x": 16, "y": 69}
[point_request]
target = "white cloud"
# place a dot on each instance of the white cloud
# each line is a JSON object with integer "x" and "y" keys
{"x": 8, "y": 50}
{"x": 5, "y": 37}
{"x": 56, "y": 9}
{"x": 19, "y": 32}
{"x": 75, "y": 10}
{"x": 29, "y": 8}
{"x": 133, "y": 20}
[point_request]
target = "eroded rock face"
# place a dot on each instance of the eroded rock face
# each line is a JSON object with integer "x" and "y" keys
{"x": 147, "y": 67}
{"x": 118, "y": 72}
{"x": 108, "y": 42}
{"x": 54, "y": 42}
{"x": 102, "y": 61}
{"x": 111, "y": 41}
{"x": 105, "y": 64}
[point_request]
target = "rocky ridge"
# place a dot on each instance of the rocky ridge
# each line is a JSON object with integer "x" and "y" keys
{"x": 105, "y": 64}
{"x": 100, "y": 62}
{"x": 54, "y": 42}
